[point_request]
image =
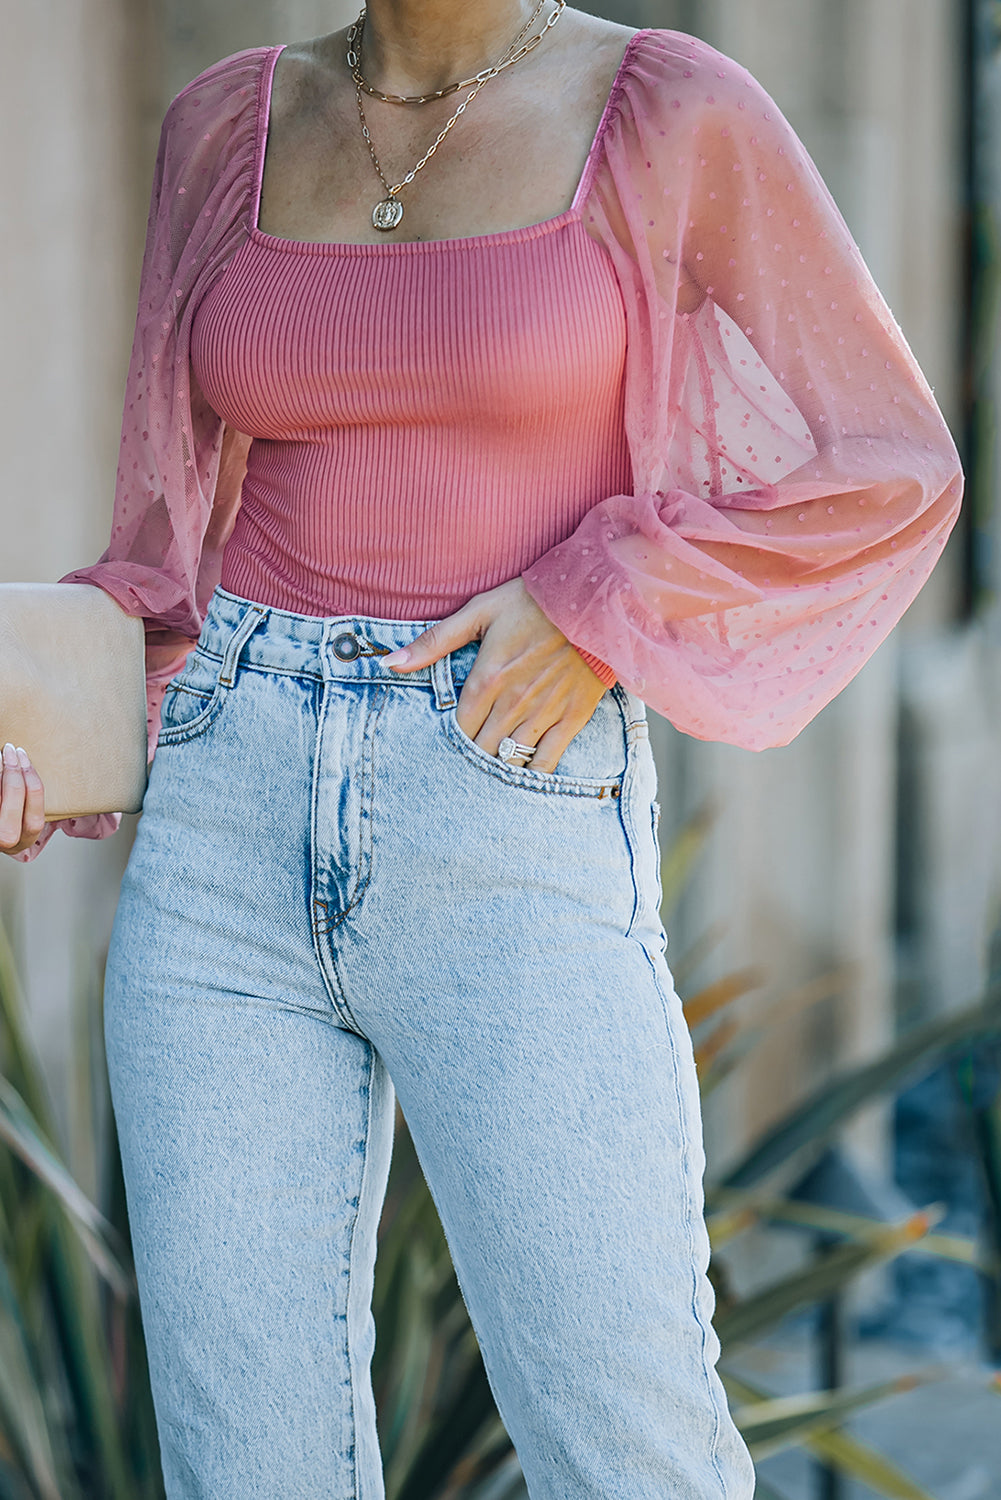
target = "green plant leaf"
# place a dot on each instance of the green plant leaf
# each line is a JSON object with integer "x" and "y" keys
{"x": 815, "y": 1216}
{"x": 858, "y": 1460}
{"x": 839, "y": 1449}
{"x": 778, "y": 1422}
{"x": 813, "y": 1122}
{"x": 505, "y": 1483}
{"x": 23, "y": 1421}
{"x": 824, "y": 1275}
{"x": 75, "y": 1294}
{"x": 81, "y": 1380}
{"x": 20, "y": 1133}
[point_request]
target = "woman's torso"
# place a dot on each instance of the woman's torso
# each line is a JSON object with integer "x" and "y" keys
{"x": 428, "y": 419}
{"x": 429, "y": 416}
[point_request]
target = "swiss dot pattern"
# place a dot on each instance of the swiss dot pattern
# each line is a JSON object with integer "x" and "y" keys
{"x": 794, "y": 481}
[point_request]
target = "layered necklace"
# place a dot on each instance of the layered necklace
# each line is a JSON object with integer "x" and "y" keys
{"x": 388, "y": 212}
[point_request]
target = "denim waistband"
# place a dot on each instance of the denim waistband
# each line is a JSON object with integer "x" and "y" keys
{"x": 242, "y": 633}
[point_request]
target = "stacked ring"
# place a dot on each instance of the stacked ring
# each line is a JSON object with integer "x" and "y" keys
{"x": 512, "y": 753}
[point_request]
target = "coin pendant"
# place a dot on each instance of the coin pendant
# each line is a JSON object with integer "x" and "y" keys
{"x": 387, "y": 214}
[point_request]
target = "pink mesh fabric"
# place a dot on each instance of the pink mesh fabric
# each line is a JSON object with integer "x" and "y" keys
{"x": 794, "y": 481}
{"x": 180, "y": 468}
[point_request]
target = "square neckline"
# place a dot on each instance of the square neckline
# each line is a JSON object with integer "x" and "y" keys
{"x": 360, "y": 247}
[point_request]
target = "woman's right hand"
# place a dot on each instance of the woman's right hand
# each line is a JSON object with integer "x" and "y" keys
{"x": 22, "y": 802}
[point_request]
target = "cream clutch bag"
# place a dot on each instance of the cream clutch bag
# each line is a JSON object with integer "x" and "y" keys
{"x": 73, "y": 693}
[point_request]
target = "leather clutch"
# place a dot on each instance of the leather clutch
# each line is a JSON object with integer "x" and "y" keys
{"x": 73, "y": 693}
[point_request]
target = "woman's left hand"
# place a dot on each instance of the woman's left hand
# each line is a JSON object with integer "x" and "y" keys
{"x": 527, "y": 682}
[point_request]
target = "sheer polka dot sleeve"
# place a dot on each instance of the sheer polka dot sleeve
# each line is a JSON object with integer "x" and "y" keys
{"x": 180, "y": 468}
{"x": 794, "y": 481}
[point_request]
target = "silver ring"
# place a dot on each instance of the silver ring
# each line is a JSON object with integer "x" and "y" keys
{"x": 514, "y": 754}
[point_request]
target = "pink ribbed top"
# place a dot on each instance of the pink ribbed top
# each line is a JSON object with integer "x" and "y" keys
{"x": 790, "y": 479}
{"x": 428, "y": 419}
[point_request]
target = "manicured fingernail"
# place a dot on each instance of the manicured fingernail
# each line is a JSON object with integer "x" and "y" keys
{"x": 23, "y": 758}
{"x": 9, "y": 754}
{"x": 396, "y": 659}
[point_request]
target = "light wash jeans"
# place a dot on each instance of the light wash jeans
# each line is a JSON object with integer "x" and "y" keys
{"x": 332, "y": 887}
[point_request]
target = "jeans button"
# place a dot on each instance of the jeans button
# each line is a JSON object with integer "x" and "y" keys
{"x": 345, "y": 647}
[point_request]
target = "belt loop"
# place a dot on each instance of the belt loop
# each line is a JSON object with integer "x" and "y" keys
{"x": 441, "y": 681}
{"x": 255, "y": 615}
{"x": 633, "y": 711}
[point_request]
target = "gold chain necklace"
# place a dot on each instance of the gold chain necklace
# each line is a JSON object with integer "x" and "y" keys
{"x": 510, "y": 58}
{"x": 387, "y": 214}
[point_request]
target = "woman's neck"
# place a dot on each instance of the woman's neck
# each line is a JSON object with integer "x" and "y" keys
{"x": 414, "y": 46}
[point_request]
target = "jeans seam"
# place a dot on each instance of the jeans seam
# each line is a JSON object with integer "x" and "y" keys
{"x": 269, "y": 669}
{"x": 351, "y": 1249}
{"x": 633, "y": 856}
{"x": 318, "y": 926}
{"x": 626, "y": 800}
{"x": 366, "y": 812}
{"x": 689, "y": 1226}
{"x": 325, "y": 925}
{"x": 331, "y": 978}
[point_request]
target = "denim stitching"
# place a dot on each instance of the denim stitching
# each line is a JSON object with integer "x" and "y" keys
{"x": 442, "y": 683}
{"x": 319, "y": 926}
{"x": 324, "y": 926}
{"x": 252, "y": 619}
{"x": 689, "y": 1218}
{"x": 378, "y": 678}
{"x": 555, "y": 786}
{"x": 367, "y": 799}
{"x": 333, "y": 984}
{"x": 240, "y": 634}
{"x": 182, "y": 734}
{"x": 351, "y": 1247}
{"x": 626, "y": 800}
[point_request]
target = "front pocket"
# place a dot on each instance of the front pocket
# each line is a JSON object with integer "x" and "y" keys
{"x": 192, "y": 701}
{"x": 597, "y": 744}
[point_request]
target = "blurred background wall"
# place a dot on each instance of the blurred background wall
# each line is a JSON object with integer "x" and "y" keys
{"x": 865, "y": 858}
